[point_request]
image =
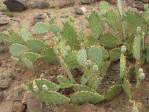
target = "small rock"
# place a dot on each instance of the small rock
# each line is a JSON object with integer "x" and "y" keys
{"x": 39, "y": 18}
{"x": 80, "y": 11}
{"x": 16, "y": 5}
{"x": 39, "y": 5}
{"x": 4, "y": 20}
{"x": 32, "y": 104}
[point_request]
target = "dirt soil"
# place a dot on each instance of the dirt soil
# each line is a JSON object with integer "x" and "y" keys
{"x": 13, "y": 77}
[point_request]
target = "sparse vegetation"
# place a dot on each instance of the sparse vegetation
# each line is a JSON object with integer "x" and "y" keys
{"x": 118, "y": 34}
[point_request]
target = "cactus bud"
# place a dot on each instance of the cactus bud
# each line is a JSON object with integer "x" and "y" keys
{"x": 140, "y": 70}
{"x": 35, "y": 88}
{"x": 68, "y": 48}
{"x": 14, "y": 58}
{"x": 95, "y": 68}
{"x": 141, "y": 76}
{"x": 139, "y": 29}
{"x": 45, "y": 87}
{"x": 88, "y": 63}
{"x": 123, "y": 49}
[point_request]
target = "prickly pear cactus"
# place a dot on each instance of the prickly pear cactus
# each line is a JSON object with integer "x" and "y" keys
{"x": 111, "y": 28}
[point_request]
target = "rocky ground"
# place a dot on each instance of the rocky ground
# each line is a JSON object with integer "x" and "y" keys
{"x": 13, "y": 77}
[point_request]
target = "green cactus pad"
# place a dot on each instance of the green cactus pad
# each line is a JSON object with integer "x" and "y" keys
{"x": 41, "y": 27}
{"x": 32, "y": 56}
{"x": 94, "y": 81}
{"x": 64, "y": 82}
{"x": 137, "y": 48}
{"x": 25, "y": 34}
{"x": 115, "y": 54}
{"x": 70, "y": 35}
{"x": 4, "y": 37}
{"x": 134, "y": 20}
{"x": 50, "y": 85}
{"x": 48, "y": 55}
{"x": 71, "y": 60}
{"x": 95, "y": 54}
{"x": 82, "y": 57}
{"x": 54, "y": 98}
{"x": 49, "y": 97}
{"x": 109, "y": 41}
{"x": 96, "y": 24}
{"x": 36, "y": 45}
{"x": 113, "y": 18}
{"x": 104, "y": 68}
{"x": 113, "y": 91}
{"x": 29, "y": 58}
{"x": 54, "y": 28}
{"x": 81, "y": 87}
{"x": 90, "y": 41}
{"x": 122, "y": 66}
{"x": 127, "y": 88}
{"x": 104, "y": 6}
{"x": 18, "y": 50}
{"x": 27, "y": 63}
{"x": 86, "y": 97}
{"x": 15, "y": 38}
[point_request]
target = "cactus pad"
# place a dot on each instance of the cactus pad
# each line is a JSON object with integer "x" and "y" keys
{"x": 86, "y": 97}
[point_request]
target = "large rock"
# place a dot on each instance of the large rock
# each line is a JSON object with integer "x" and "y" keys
{"x": 16, "y": 5}
{"x": 39, "y": 5}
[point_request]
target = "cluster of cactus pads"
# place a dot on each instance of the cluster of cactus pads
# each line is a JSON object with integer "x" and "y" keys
{"x": 118, "y": 33}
